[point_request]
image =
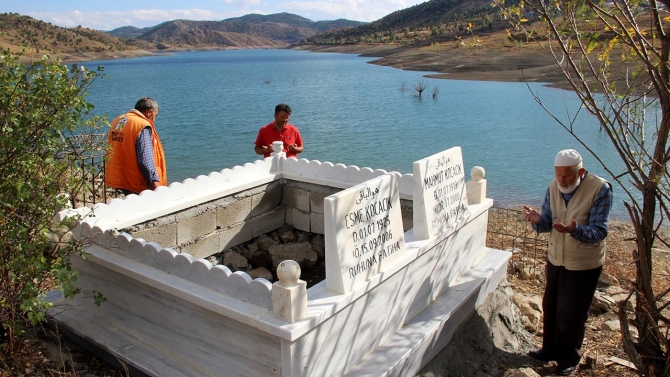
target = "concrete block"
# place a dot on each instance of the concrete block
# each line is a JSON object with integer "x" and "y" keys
{"x": 268, "y": 221}
{"x": 265, "y": 201}
{"x": 296, "y": 198}
{"x": 407, "y": 218}
{"x": 260, "y": 189}
{"x": 165, "y": 235}
{"x": 316, "y": 223}
{"x": 299, "y": 219}
{"x": 233, "y": 213}
{"x": 288, "y": 219}
{"x": 190, "y": 212}
{"x": 312, "y": 187}
{"x": 316, "y": 201}
{"x": 236, "y": 234}
{"x": 203, "y": 247}
{"x": 194, "y": 227}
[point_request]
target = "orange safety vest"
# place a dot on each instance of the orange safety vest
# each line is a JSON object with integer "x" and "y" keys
{"x": 121, "y": 169}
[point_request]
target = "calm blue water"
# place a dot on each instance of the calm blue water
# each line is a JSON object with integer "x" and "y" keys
{"x": 213, "y": 103}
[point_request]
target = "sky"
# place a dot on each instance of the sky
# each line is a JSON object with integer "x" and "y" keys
{"x": 111, "y": 14}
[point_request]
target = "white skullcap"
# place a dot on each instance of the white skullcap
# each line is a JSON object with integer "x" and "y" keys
{"x": 567, "y": 157}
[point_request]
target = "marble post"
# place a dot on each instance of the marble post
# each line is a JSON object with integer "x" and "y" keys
{"x": 476, "y": 187}
{"x": 277, "y": 147}
{"x": 289, "y": 294}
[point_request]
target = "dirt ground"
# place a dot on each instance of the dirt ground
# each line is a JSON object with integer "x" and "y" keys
{"x": 487, "y": 61}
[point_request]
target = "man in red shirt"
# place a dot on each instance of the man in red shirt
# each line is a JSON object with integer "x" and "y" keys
{"x": 279, "y": 130}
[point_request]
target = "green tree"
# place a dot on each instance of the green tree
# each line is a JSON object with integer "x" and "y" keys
{"x": 614, "y": 55}
{"x": 41, "y": 104}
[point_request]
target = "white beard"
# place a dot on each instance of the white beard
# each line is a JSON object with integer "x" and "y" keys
{"x": 572, "y": 187}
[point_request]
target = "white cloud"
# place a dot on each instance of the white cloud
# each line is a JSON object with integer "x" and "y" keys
{"x": 359, "y": 10}
{"x": 139, "y": 18}
{"x": 244, "y": 3}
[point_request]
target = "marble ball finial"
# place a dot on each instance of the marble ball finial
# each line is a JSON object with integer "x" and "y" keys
{"x": 477, "y": 173}
{"x": 288, "y": 273}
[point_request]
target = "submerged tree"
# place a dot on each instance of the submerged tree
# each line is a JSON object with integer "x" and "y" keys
{"x": 420, "y": 87}
{"x": 614, "y": 54}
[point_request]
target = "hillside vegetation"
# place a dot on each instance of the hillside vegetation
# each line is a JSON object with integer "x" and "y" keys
{"x": 434, "y": 20}
{"x": 80, "y": 43}
{"x": 250, "y": 31}
{"x": 17, "y": 31}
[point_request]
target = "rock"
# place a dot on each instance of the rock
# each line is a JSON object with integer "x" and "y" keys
{"x": 630, "y": 304}
{"x": 611, "y": 326}
{"x": 235, "y": 262}
{"x": 257, "y": 258}
{"x": 489, "y": 336}
{"x": 319, "y": 245}
{"x": 530, "y": 307}
{"x": 261, "y": 272}
{"x": 513, "y": 250}
{"x": 299, "y": 252}
{"x": 534, "y": 301}
{"x": 275, "y": 237}
{"x": 607, "y": 280}
{"x": 602, "y": 302}
{"x": 523, "y": 372}
{"x": 614, "y": 290}
{"x": 286, "y": 234}
{"x": 304, "y": 237}
{"x": 215, "y": 259}
{"x": 264, "y": 242}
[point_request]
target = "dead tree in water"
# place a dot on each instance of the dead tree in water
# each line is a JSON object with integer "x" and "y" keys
{"x": 420, "y": 87}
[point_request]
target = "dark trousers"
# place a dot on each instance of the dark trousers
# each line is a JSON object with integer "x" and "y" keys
{"x": 566, "y": 302}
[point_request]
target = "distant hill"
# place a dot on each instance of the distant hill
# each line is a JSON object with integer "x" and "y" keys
{"x": 430, "y": 19}
{"x": 252, "y": 30}
{"x": 42, "y": 38}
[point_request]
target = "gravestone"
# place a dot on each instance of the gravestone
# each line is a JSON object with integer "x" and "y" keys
{"x": 440, "y": 197}
{"x": 363, "y": 232}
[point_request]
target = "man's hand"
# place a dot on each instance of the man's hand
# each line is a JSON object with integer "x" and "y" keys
{"x": 263, "y": 149}
{"x": 562, "y": 228}
{"x": 295, "y": 148}
{"x": 154, "y": 185}
{"x": 531, "y": 215}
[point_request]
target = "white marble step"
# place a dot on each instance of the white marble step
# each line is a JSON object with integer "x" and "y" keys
{"x": 411, "y": 348}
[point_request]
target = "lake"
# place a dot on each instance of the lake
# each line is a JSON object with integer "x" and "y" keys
{"x": 348, "y": 111}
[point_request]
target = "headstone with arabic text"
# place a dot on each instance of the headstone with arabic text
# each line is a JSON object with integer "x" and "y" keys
{"x": 363, "y": 232}
{"x": 440, "y": 197}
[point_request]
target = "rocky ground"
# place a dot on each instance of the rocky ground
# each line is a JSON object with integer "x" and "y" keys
{"x": 494, "y": 342}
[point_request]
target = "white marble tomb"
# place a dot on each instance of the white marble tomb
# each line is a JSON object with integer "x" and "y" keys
{"x": 170, "y": 314}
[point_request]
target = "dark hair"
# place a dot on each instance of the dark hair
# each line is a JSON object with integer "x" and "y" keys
{"x": 283, "y": 107}
{"x": 145, "y": 104}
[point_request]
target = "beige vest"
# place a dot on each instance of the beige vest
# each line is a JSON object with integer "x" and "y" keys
{"x": 563, "y": 249}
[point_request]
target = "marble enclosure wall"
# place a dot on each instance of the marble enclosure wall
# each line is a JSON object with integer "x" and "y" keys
{"x": 171, "y": 313}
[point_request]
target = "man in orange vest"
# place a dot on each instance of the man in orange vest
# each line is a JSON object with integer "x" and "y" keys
{"x": 136, "y": 161}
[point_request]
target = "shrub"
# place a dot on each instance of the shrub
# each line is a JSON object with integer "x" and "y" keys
{"x": 41, "y": 104}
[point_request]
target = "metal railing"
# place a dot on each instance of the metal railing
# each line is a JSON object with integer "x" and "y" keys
{"x": 509, "y": 230}
{"x": 86, "y": 155}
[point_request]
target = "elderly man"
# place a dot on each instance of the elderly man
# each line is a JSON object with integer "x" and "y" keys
{"x": 576, "y": 211}
{"x": 137, "y": 160}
